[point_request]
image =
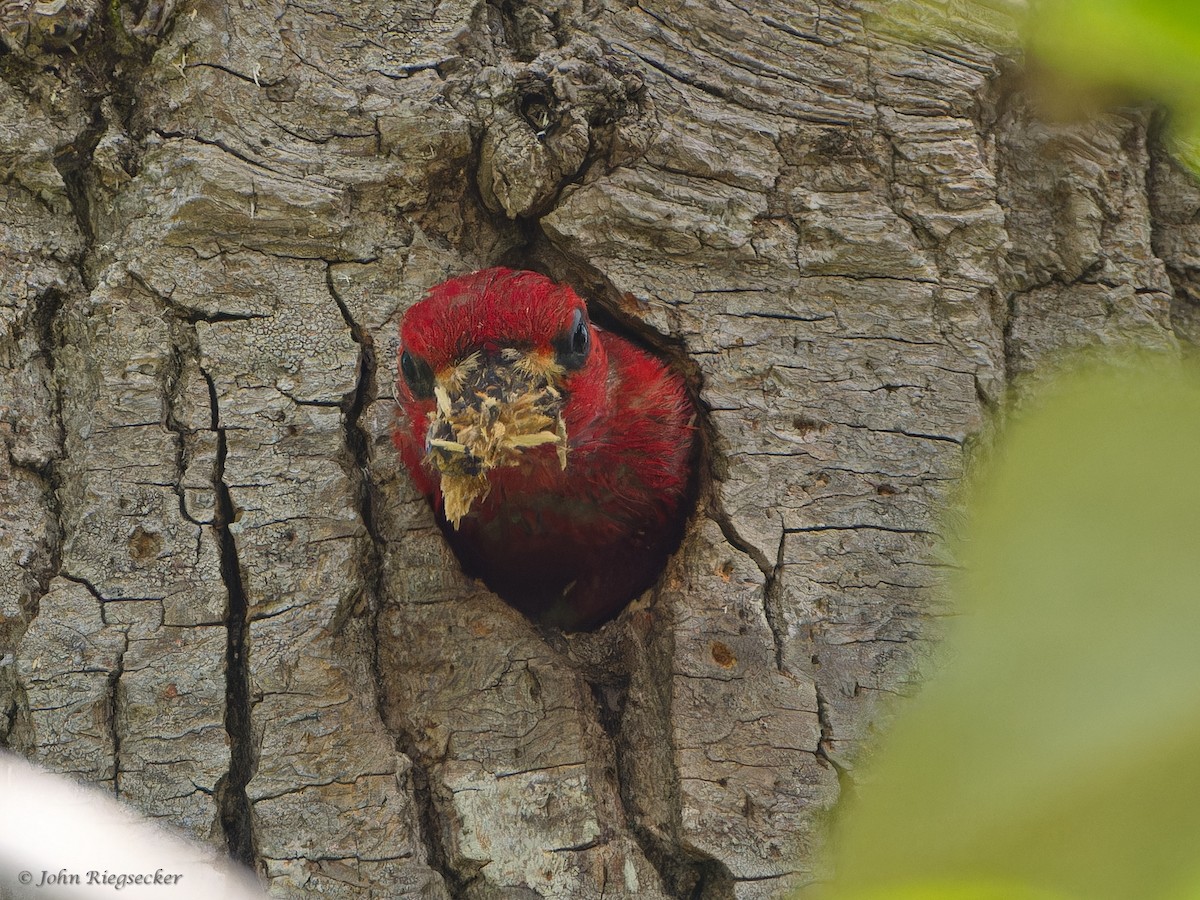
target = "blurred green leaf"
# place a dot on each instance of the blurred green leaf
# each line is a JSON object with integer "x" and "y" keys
{"x": 1141, "y": 49}
{"x": 1060, "y": 747}
{"x": 1153, "y": 45}
{"x": 959, "y": 891}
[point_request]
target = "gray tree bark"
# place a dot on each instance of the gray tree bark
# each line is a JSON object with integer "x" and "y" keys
{"x": 221, "y": 599}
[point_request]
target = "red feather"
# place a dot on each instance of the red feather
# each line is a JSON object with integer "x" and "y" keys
{"x": 567, "y": 546}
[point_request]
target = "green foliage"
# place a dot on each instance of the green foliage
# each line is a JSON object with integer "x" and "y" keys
{"x": 1057, "y": 755}
{"x": 1153, "y": 45}
{"x": 1141, "y": 49}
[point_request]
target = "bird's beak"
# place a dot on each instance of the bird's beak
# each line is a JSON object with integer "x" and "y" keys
{"x": 489, "y": 412}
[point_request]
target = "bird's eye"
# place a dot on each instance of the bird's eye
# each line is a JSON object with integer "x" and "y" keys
{"x": 417, "y": 374}
{"x": 574, "y": 343}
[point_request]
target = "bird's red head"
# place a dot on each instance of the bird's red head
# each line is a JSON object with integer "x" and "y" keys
{"x": 499, "y": 369}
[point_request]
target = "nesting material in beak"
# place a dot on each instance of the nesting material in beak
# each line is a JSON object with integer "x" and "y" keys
{"x": 488, "y": 414}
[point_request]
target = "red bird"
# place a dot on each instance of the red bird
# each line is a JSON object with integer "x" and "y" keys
{"x": 556, "y": 455}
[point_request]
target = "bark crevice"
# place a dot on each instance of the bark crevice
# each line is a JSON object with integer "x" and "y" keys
{"x": 358, "y": 465}
{"x": 826, "y": 742}
{"x": 114, "y": 710}
{"x": 773, "y": 607}
{"x": 645, "y": 758}
{"x": 236, "y": 810}
{"x": 45, "y": 320}
{"x": 73, "y": 160}
{"x": 686, "y": 874}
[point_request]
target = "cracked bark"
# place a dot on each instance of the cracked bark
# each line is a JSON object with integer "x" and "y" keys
{"x": 220, "y": 597}
{"x": 237, "y": 819}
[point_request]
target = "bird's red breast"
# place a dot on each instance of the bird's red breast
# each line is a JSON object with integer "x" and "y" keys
{"x": 557, "y": 455}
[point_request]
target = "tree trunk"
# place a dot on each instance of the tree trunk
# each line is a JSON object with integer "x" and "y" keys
{"x": 221, "y": 598}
